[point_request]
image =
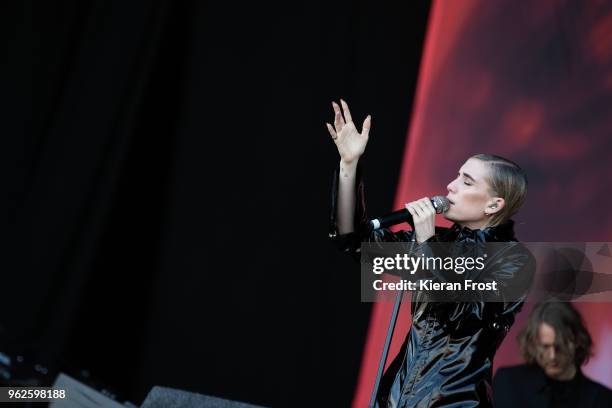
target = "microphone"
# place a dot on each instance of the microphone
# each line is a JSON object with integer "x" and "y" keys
{"x": 440, "y": 203}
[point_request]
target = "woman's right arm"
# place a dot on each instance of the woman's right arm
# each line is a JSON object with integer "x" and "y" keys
{"x": 348, "y": 216}
{"x": 351, "y": 145}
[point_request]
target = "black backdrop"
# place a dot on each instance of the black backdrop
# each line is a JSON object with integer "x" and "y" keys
{"x": 170, "y": 203}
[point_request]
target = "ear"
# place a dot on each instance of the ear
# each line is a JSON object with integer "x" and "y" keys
{"x": 495, "y": 205}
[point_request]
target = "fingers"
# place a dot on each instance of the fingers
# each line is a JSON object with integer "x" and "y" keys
{"x": 414, "y": 210}
{"x": 331, "y": 130}
{"x": 423, "y": 217}
{"x": 411, "y": 210}
{"x": 421, "y": 208}
{"x": 347, "y": 112}
{"x": 338, "y": 120}
{"x": 365, "y": 131}
{"x": 426, "y": 206}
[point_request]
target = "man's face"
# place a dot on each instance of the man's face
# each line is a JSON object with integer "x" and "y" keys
{"x": 555, "y": 362}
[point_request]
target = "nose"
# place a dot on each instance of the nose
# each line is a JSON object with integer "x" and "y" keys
{"x": 549, "y": 353}
{"x": 451, "y": 187}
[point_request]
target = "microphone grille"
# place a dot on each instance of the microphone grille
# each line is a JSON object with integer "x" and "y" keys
{"x": 440, "y": 203}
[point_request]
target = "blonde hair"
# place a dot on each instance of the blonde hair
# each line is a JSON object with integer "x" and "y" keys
{"x": 508, "y": 181}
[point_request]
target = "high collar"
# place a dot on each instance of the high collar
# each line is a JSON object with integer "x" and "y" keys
{"x": 543, "y": 381}
{"x": 538, "y": 386}
{"x": 499, "y": 233}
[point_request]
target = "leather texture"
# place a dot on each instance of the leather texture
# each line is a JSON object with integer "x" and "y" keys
{"x": 446, "y": 359}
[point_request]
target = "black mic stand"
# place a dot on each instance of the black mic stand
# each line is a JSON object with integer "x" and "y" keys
{"x": 390, "y": 329}
{"x": 383, "y": 357}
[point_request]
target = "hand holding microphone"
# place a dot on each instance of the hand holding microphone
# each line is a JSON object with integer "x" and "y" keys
{"x": 420, "y": 214}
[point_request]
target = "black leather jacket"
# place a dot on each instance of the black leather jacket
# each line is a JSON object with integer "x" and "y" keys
{"x": 447, "y": 357}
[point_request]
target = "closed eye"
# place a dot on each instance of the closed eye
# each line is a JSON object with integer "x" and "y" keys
{"x": 467, "y": 179}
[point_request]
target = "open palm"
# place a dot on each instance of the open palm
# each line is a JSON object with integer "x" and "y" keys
{"x": 350, "y": 143}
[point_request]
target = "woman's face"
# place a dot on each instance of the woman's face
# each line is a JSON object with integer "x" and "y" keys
{"x": 469, "y": 196}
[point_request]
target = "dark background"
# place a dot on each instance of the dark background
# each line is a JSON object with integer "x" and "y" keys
{"x": 167, "y": 219}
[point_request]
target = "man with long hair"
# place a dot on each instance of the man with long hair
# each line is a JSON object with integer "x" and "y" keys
{"x": 555, "y": 344}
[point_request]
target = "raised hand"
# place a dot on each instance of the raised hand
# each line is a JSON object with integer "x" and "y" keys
{"x": 350, "y": 143}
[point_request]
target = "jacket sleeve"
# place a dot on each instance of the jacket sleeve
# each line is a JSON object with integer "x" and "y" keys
{"x": 351, "y": 243}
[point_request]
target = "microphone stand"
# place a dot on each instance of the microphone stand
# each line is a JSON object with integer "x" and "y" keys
{"x": 383, "y": 357}
{"x": 390, "y": 330}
